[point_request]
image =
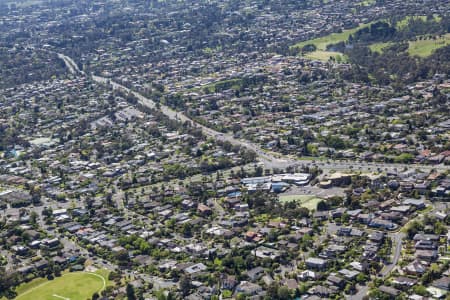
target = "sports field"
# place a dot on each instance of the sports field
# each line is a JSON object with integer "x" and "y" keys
{"x": 307, "y": 201}
{"x": 70, "y": 286}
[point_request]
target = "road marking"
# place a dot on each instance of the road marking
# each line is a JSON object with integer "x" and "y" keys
{"x": 60, "y": 297}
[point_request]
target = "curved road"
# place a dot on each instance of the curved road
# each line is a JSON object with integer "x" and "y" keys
{"x": 175, "y": 115}
{"x": 397, "y": 238}
{"x": 270, "y": 161}
{"x": 267, "y": 159}
{"x": 70, "y": 64}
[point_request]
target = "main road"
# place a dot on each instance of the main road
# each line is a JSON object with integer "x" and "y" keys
{"x": 269, "y": 160}
{"x": 264, "y": 157}
{"x": 70, "y": 64}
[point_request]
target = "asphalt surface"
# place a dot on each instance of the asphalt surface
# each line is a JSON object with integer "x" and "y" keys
{"x": 269, "y": 160}
{"x": 397, "y": 238}
{"x": 179, "y": 116}
{"x": 362, "y": 291}
{"x": 70, "y": 64}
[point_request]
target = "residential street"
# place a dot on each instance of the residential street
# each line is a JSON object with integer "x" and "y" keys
{"x": 397, "y": 238}
{"x": 269, "y": 160}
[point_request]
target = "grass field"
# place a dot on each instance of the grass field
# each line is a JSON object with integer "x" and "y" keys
{"x": 378, "y": 47}
{"x": 403, "y": 23}
{"x": 310, "y": 158}
{"x": 73, "y": 286}
{"x": 424, "y": 48}
{"x": 420, "y": 48}
{"x": 325, "y": 55}
{"x": 30, "y": 285}
{"x": 307, "y": 201}
{"x": 367, "y": 2}
{"x": 322, "y": 42}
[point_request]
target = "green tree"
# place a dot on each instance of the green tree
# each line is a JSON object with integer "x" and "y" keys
{"x": 186, "y": 229}
{"x": 130, "y": 292}
{"x": 361, "y": 278}
{"x": 283, "y": 293}
{"x": 322, "y": 205}
{"x": 272, "y": 290}
{"x": 240, "y": 297}
{"x": 420, "y": 290}
{"x": 185, "y": 285}
{"x": 404, "y": 158}
{"x": 413, "y": 228}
